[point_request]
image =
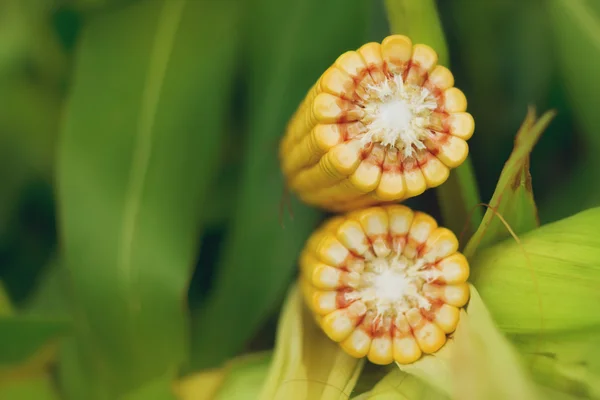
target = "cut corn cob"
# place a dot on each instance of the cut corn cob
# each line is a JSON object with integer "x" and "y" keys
{"x": 385, "y": 282}
{"x": 382, "y": 124}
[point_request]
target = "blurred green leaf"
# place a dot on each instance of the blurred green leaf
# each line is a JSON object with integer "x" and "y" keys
{"x": 244, "y": 378}
{"x": 22, "y": 337}
{"x": 513, "y": 198}
{"x": 138, "y": 151}
{"x": 458, "y": 196}
{"x": 566, "y": 361}
{"x": 259, "y": 255}
{"x": 6, "y": 307}
{"x": 547, "y": 280}
{"x": 576, "y": 26}
{"x": 36, "y": 388}
{"x": 160, "y": 389}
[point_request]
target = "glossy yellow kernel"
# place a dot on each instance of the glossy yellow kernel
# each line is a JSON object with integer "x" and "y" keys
{"x": 462, "y": 125}
{"x": 454, "y": 100}
{"x": 328, "y": 109}
{"x": 339, "y": 324}
{"x": 454, "y": 152}
{"x": 441, "y": 78}
{"x": 454, "y": 269}
{"x": 396, "y": 51}
{"x": 357, "y": 344}
{"x": 435, "y": 172}
{"x": 381, "y": 351}
{"x": 446, "y": 317}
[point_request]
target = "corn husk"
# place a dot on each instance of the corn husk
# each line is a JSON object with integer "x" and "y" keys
{"x": 240, "y": 379}
{"x": 398, "y": 385}
{"x": 477, "y": 363}
{"x": 307, "y": 364}
{"x": 567, "y": 362}
{"x": 513, "y": 197}
{"x": 549, "y": 281}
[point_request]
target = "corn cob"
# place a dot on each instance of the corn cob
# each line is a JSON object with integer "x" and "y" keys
{"x": 385, "y": 282}
{"x": 382, "y": 124}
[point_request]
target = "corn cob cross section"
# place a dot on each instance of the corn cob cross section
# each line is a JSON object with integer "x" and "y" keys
{"x": 385, "y": 282}
{"x": 382, "y": 124}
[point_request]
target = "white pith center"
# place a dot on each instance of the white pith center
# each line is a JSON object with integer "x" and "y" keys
{"x": 393, "y": 285}
{"x": 398, "y": 115}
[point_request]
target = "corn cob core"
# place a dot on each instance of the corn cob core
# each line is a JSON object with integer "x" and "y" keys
{"x": 385, "y": 282}
{"x": 382, "y": 124}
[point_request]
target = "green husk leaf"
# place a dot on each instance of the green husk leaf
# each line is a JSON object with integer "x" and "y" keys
{"x": 547, "y": 280}
{"x": 459, "y": 195}
{"x": 139, "y": 147}
{"x": 306, "y": 363}
{"x": 513, "y": 198}
{"x": 566, "y": 362}
{"x": 398, "y": 385}
{"x": 261, "y": 249}
{"x": 477, "y": 362}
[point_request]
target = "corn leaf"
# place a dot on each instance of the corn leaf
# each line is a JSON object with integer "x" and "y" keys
{"x": 513, "y": 198}
{"x": 151, "y": 83}
{"x": 576, "y": 26}
{"x": 39, "y": 387}
{"x": 201, "y": 385}
{"x": 244, "y": 378}
{"x": 478, "y": 362}
{"x": 160, "y": 389}
{"x": 545, "y": 282}
{"x": 307, "y": 364}
{"x": 565, "y": 362}
{"x": 459, "y": 195}
{"x": 259, "y": 255}
{"x": 398, "y": 385}
{"x": 22, "y": 337}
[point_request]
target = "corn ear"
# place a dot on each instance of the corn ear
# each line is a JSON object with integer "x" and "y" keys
{"x": 386, "y": 283}
{"x": 382, "y": 124}
{"x": 547, "y": 281}
{"x": 306, "y": 364}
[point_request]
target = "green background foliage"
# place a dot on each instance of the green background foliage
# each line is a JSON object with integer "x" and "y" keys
{"x": 145, "y": 230}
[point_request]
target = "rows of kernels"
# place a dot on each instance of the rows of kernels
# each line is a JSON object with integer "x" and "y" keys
{"x": 345, "y": 266}
{"x": 335, "y": 153}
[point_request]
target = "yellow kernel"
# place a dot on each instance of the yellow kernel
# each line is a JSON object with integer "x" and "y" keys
{"x": 454, "y": 152}
{"x": 446, "y": 317}
{"x": 435, "y": 172}
{"x": 454, "y": 269}
{"x": 441, "y": 78}
{"x": 381, "y": 351}
{"x": 454, "y": 100}
{"x": 339, "y": 324}
{"x": 396, "y": 51}
{"x": 357, "y": 344}
{"x": 462, "y": 125}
